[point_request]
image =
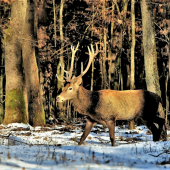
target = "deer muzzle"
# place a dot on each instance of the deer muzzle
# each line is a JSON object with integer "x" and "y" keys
{"x": 59, "y": 99}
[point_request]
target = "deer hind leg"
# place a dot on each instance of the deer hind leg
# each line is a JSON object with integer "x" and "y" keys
{"x": 162, "y": 127}
{"x": 89, "y": 125}
{"x": 111, "y": 126}
{"x": 155, "y": 131}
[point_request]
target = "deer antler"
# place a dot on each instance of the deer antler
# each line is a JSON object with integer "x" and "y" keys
{"x": 74, "y": 50}
{"x": 60, "y": 79}
{"x": 70, "y": 72}
{"x": 92, "y": 54}
{"x": 63, "y": 76}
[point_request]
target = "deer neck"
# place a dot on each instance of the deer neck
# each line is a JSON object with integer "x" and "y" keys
{"x": 82, "y": 100}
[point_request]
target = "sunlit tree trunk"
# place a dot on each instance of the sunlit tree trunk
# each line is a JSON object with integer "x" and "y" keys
{"x": 101, "y": 64}
{"x": 1, "y": 79}
{"x": 132, "y": 82}
{"x": 60, "y": 71}
{"x": 167, "y": 84}
{"x": 104, "y": 47}
{"x": 15, "y": 106}
{"x": 55, "y": 32}
{"x": 1, "y": 82}
{"x": 150, "y": 54}
{"x": 111, "y": 58}
{"x": 92, "y": 71}
{"x": 35, "y": 105}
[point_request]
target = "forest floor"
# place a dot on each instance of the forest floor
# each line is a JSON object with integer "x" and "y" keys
{"x": 23, "y": 147}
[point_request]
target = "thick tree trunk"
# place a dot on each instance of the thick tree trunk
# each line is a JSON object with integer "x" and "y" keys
{"x": 15, "y": 106}
{"x": 150, "y": 55}
{"x": 35, "y": 105}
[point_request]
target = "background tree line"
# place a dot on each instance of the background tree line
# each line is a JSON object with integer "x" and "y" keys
{"x": 133, "y": 38}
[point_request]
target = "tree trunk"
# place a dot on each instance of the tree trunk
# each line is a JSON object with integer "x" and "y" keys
{"x": 1, "y": 82}
{"x": 60, "y": 71}
{"x": 55, "y": 31}
{"x": 35, "y": 105}
{"x": 150, "y": 55}
{"x": 15, "y": 106}
{"x": 101, "y": 64}
{"x": 132, "y": 82}
{"x": 168, "y": 73}
{"x": 168, "y": 80}
{"x": 92, "y": 71}
{"x": 104, "y": 47}
{"x": 111, "y": 58}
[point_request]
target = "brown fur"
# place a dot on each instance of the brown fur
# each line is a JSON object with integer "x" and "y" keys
{"x": 107, "y": 106}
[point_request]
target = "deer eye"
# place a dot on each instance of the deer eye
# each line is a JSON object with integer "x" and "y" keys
{"x": 70, "y": 88}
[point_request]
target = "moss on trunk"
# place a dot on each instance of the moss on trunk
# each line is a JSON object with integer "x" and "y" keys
{"x": 15, "y": 106}
{"x": 15, "y": 109}
{"x": 39, "y": 118}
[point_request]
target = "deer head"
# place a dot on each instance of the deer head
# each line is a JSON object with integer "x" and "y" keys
{"x": 73, "y": 83}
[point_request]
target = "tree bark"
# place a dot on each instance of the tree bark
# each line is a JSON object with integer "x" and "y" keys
{"x": 132, "y": 82}
{"x": 1, "y": 82}
{"x": 35, "y": 105}
{"x": 92, "y": 70}
{"x": 168, "y": 74}
{"x": 150, "y": 54}
{"x": 60, "y": 72}
{"x": 55, "y": 31}
{"x": 111, "y": 59}
{"x": 15, "y": 106}
{"x": 105, "y": 47}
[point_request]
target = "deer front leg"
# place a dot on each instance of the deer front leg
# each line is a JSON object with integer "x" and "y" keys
{"x": 89, "y": 125}
{"x": 111, "y": 127}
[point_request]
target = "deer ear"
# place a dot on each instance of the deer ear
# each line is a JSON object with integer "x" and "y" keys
{"x": 79, "y": 81}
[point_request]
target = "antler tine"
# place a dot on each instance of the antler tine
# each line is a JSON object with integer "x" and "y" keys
{"x": 69, "y": 73}
{"x": 63, "y": 69}
{"x": 92, "y": 54}
{"x": 63, "y": 76}
{"x": 74, "y": 50}
{"x": 60, "y": 79}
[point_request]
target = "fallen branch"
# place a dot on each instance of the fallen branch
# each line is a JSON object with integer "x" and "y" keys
{"x": 166, "y": 151}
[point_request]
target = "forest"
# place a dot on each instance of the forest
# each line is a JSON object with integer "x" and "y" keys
{"x": 133, "y": 37}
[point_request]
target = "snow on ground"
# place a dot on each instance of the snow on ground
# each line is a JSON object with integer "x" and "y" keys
{"x": 23, "y": 147}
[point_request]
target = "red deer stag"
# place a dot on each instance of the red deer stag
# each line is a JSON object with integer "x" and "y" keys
{"x": 107, "y": 106}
